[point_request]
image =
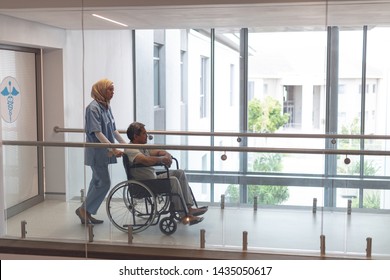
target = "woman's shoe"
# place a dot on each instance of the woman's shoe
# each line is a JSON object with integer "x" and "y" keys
{"x": 82, "y": 219}
{"x": 94, "y": 220}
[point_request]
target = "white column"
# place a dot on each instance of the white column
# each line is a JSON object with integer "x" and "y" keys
{"x": 307, "y": 107}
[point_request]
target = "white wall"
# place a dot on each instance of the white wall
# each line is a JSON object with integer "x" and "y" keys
{"x": 54, "y": 116}
{"x": 51, "y": 40}
{"x": 173, "y": 83}
{"x": 107, "y": 54}
{"x": 68, "y": 61}
{"x": 144, "y": 82}
{"x": 30, "y": 34}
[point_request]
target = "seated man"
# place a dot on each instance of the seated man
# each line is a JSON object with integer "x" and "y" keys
{"x": 137, "y": 134}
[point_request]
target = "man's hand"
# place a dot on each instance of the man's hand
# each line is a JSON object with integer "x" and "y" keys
{"x": 167, "y": 160}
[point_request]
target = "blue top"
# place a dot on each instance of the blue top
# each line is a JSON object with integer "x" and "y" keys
{"x": 98, "y": 119}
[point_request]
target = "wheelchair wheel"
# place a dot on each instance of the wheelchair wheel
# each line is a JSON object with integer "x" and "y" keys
{"x": 131, "y": 204}
{"x": 168, "y": 225}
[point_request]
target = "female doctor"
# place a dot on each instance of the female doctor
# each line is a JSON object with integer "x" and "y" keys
{"x": 99, "y": 128}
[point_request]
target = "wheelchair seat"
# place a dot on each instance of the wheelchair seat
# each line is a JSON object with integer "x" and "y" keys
{"x": 162, "y": 185}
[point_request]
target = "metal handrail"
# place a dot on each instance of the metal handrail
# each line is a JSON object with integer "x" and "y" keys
{"x": 197, "y": 148}
{"x": 244, "y": 134}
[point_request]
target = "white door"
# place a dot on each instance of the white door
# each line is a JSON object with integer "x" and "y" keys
{"x": 18, "y": 108}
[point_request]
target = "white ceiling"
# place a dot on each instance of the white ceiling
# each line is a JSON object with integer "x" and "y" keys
{"x": 268, "y": 16}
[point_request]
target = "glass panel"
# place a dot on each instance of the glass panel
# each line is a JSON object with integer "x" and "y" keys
{"x": 305, "y": 196}
{"x": 226, "y": 96}
{"x": 201, "y": 192}
{"x": 286, "y": 93}
{"x": 385, "y": 199}
{"x": 375, "y": 165}
{"x": 376, "y": 102}
{"x": 51, "y": 218}
{"x": 350, "y": 96}
{"x": 372, "y": 199}
{"x": 346, "y": 194}
{"x": 20, "y": 174}
{"x": 287, "y": 76}
{"x": 348, "y": 165}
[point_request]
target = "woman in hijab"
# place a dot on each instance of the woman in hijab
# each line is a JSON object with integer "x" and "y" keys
{"x": 99, "y": 128}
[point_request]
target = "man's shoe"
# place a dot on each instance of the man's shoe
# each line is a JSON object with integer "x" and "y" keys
{"x": 191, "y": 220}
{"x": 197, "y": 211}
{"x": 196, "y": 221}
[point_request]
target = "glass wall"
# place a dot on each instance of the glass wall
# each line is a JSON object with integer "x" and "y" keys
{"x": 281, "y": 130}
{"x": 286, "y": 93}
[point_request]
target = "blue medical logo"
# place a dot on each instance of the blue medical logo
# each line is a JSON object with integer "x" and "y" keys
{"x": 10, "y": 99}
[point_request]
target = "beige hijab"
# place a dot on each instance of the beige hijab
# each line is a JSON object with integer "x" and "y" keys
{"x": 98, "y": 91}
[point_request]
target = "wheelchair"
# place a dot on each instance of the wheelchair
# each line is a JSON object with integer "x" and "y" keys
{"x": 142, "y": 203}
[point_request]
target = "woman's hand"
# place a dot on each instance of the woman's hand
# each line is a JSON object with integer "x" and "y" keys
{"x": 115, "y": 152}
{"x": 118, "y": 153}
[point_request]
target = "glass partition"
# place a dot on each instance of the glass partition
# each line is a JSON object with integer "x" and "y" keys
{"x": 275, "y": 102}
{"x": 273, "y": 219}
{"x": 286, "y": 94}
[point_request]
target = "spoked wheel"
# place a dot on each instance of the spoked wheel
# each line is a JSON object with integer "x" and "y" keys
{"x": 168, "y": 225}
{"x": 131, "y": 204}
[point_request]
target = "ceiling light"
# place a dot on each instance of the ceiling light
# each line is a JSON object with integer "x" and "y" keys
{"x": 110, "y": 20}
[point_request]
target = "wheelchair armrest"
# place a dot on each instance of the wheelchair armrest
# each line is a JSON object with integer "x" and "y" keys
{"x": 166, "y": 168}
{"x": 127, "y": 165}
{"x": 176, "y": 161}
{"x": 159, "y": 164}
{"x": 141, "y": 165}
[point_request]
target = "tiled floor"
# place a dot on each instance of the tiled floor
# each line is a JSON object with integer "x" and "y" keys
{"x": 267, "y": 230}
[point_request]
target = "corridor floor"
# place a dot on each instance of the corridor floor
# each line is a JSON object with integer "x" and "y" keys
{"x": 266, "y": 230}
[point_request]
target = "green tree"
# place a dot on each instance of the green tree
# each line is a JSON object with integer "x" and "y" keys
{"x": 265, "y": 194}
{"x": 264, "y": 117}
{"x": 268, "y": 163}
{"x": 352, "y": 129}
{"x": 372, "y": 199}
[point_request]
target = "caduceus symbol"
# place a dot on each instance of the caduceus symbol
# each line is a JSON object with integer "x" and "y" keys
{"x": 11, "y": 92}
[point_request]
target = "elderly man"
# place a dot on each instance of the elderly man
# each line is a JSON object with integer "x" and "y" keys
{"x": 137, "y": 134}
